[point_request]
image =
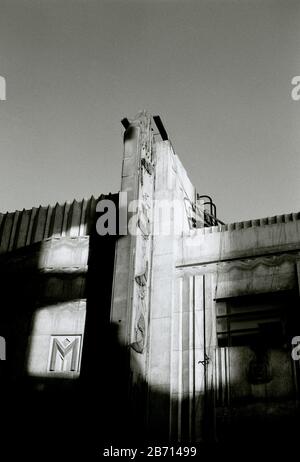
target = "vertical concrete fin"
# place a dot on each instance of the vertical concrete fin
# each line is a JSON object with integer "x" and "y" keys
{"x": 66, "y": 209}
{"x": 8, "y": 221}
{"x": 91, "y": 213}
{"x": 48, "y": 221}
{"x": 13, "y": 230}
{"x": 29, "y": 238}
{"x": 1, "y": 220}
{"x": 57, "y": 220}
{"x": 83, "y": 221}
{"x": 74, "y": 219}
{"x": 39, "y": 225}
{"x": 23, "y": 229}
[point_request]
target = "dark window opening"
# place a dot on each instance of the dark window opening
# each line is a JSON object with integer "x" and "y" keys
{"x": 267, "y": 320}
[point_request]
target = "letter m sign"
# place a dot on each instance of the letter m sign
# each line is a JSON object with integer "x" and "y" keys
{"x": 64, "y": 353}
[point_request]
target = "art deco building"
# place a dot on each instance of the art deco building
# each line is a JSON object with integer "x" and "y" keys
{"x": 179, "y": 328}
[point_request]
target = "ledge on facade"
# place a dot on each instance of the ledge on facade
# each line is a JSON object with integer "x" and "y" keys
{"x": 276, "y": 219}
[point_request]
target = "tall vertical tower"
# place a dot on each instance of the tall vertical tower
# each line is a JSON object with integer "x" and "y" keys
{"x": 160, "y": 198}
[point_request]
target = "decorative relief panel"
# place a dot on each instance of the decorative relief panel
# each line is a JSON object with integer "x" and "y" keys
{"x": 64, "y": 355}
{"x": 143, "y": 221}
{"x": 143, "y": 241}
{"x": 139, "y": 334}
{"x": 147, "y": 166}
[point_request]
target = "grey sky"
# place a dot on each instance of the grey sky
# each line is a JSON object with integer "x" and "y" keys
{"x": 217, "y": 72}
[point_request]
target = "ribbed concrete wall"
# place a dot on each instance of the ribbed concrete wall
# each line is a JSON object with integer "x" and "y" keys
{"x": 248, "y": 240}
{"x": 276, "y": 219}
{"x": 22, "y": 228}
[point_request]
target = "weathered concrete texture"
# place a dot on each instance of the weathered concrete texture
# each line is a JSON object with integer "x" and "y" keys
{"x": 132, "y": 271}
{"x": 189, "y": 271}
{"x": 61, "y": 319}
{"x": 262, "y": 279}
{"x": 64, "y": 255}
{"x": 171, "y": 355}
{"x": 123, "y": 272}
{"x": 156, "y": 254}
{"x": 189, "y": 357}
{"x": 45, "y": 253}
{"x": 204, "y": 246}
{"x": 22, "y": 228}
{"x": 189, "y": 274}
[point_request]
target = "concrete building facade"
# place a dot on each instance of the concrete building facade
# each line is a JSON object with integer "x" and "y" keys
{"x": 176, "y": 327}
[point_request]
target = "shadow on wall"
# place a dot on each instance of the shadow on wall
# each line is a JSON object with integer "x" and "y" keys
{"x": 68, "y": 416}
{"x": 59, "y": 412}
